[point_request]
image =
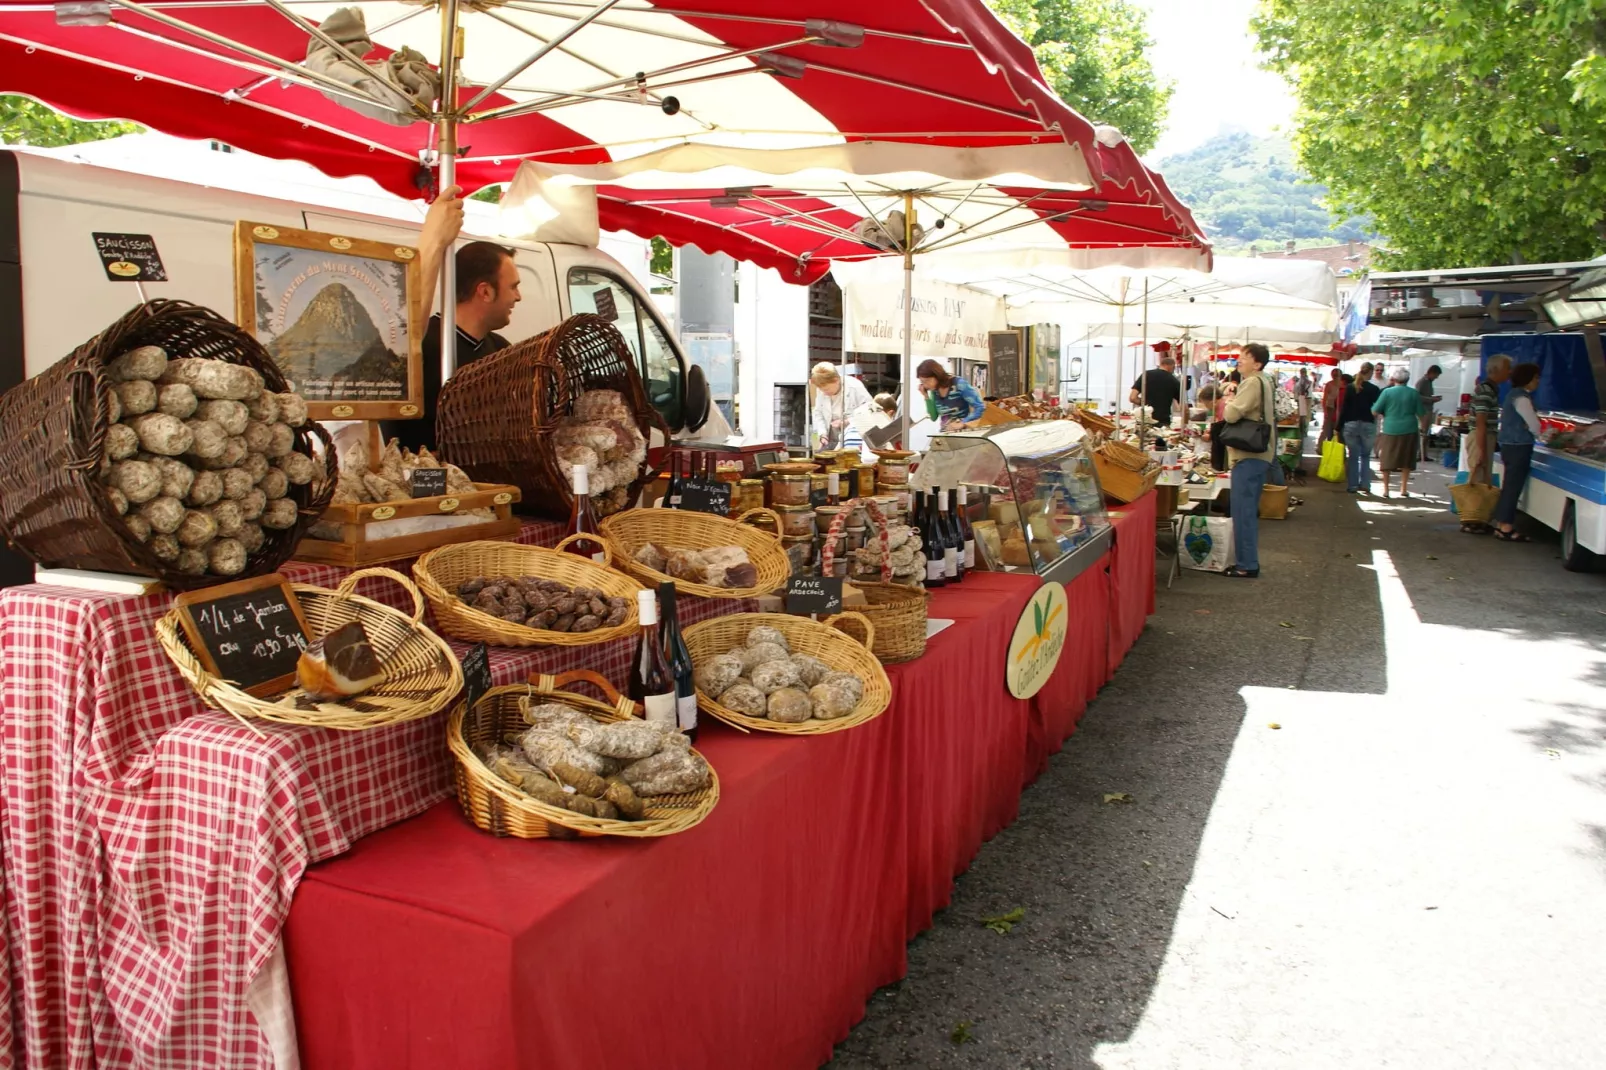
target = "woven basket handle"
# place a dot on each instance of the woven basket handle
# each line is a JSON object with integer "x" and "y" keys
{"x": 762, "y": 513}
{"x": 350, "y": 585}
{"x": 100, "y": 420}
{"x": 607, "y": 551}
{"x": 850, "y": 617}
{"x": 547, "y": 684}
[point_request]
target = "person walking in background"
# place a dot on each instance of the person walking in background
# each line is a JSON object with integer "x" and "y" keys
{"x": 1158, "y": 389}
{"x": 835, "y": 397}
{"x": 1358, "y": 427}
{"x": 1424, "y": 386}
{"x": 1519, "y": 430}
{"x": 1330, "y": 404}
{"x": 1401, "y": 409}
{"x": 1254, "y": 402}
{"x": 950, "y": 400}
{"x": 1481, "y": 440}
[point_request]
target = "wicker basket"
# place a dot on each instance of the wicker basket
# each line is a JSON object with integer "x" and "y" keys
{"x": 821, "y": 639}
{"x": 495, "y": 417}
{"x": 1474, "y": 502}
{"x": 681, "y": 529}
{"x": 421, "y": 675}
{"x": 440, "y": 572}
{"x": 53, "y": 507}
{"x": 1128, "y": 457}
{"x": 504, "y": 810}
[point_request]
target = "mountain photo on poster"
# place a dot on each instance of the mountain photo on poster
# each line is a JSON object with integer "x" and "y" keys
{"x": 335, "y": 324}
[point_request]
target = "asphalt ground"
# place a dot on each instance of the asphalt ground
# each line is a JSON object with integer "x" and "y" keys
{"x": 1367, "y": 827}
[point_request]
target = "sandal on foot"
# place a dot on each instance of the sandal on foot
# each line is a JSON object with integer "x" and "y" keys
{"x": 1511, "y": 536}
{"x": 1234, "y": 572}
{"x": 1473, "y": 527}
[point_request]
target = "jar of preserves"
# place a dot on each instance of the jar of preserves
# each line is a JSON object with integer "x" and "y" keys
{"x": 800, "y": 551}
{"x": 747, "y": 494}
{"x": 796, "y": 520}
{"x": 789, "y": 490}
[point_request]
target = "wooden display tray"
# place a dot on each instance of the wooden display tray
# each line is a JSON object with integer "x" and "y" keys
{"x": 354, "y": 549}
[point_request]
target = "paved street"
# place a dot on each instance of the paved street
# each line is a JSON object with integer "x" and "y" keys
{"x": 1409, "y": 872}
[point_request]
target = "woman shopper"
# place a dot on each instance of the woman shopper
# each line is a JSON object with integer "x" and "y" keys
{"x": 836, "y": 396}
{"x": 1519, "y": 430}
{"x": 951, "y": 401}
{"x": 1400, "y": 406}
{"x": 1253, "y": 403}
{"x": 1358, "y": 427}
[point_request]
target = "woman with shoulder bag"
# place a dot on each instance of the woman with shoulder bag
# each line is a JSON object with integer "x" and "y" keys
{"x": 1252, "y": 451}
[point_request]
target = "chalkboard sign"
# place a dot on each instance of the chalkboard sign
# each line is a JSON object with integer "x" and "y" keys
{"x": 427, "y": 482}
{"x": 606, "y": 308}
{"x": 1004, "y": 357}
{"x": 706, "y": 496}
{"x": 129, "y": 257}
{"x": 250, "y": 632}
{"x": 819, "y": 497}
{"x": 476, "y": 673}
{"x": 806, "y": 595}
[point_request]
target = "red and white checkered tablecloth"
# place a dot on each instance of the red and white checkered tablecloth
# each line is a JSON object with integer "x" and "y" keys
{"x": 151, "y": 845}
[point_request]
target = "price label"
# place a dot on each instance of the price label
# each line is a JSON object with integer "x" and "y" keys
{"x": 706, "y": 496}
{"x": 806, "y": 595}
{"x": 250, "y": 632}
{"x": 129, "y": 257}
{"x": 606, "y": 308}
{"x": 427, "y": 482}
{"x": 476, "y": 673}
{"x": 819, "y": 497}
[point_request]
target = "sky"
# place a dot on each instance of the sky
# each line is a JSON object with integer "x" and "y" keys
{"x": 1205, "y": 47}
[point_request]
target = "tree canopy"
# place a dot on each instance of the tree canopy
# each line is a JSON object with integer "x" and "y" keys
{"x": 27, "y": 122}
{"x": 1472, "y": 131}
{"x": 1095, "y": 56}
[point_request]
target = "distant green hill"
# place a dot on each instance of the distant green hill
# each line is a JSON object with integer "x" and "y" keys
{"x": 1249, "y": 191}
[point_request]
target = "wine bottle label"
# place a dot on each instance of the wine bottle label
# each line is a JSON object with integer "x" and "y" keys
{"x": 934, "y": 569}
{"x": 970, "y": 553}
{"x": 950, "y": 562}
{"x": 661, "y": 708}
{"x": 686, "y": 707}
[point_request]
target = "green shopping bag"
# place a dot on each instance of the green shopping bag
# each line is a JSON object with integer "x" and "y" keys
{"x": 1332, "y": 466}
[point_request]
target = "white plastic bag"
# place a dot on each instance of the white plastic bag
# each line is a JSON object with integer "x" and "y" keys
{"x": 1207, "y": 543}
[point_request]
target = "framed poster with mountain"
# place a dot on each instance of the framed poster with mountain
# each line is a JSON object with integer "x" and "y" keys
{"x": 338, "y": 315}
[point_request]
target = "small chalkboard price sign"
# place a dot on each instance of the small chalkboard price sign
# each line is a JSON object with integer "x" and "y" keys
{"x": 819, "y": 497}
{"x": 1004, "y": 362}
{"x": 706, "y": 496}
{"x": 129, "y": 257}
{"x": 427, "y": 482}
{"x": 811, "y": 595}
{"x": 606, "y": 308}
{"x": 476, "y": 673}
{"x": 250, "y": 632}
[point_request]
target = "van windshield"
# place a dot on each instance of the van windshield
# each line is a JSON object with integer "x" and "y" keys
{"x": 591, "y": 290}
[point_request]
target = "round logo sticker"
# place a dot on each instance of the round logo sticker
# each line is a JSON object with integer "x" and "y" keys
{"x": 1034, "y": 651}
{"x": 384, "y": 512}
{"x": 340, "y": 412}
{"x": 265, "y": 233}
{"x": 123, "y": 268}
{"x": 448, "y": 504}
{"x": 338, "y": 242}
{"x": 404, "y": 253}
{"x": 408, "y": 410}
{"x": 502, "y": 498}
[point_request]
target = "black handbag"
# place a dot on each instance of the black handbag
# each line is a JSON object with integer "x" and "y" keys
{"x": 1249, "y": 436}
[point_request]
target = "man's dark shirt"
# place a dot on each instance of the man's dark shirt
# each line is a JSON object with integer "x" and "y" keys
{"x": 1164, "y": 391}
{"x": 416, "y": 433}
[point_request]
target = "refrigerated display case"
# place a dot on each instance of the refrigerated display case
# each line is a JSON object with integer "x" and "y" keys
{"x": 1034, "y": 490}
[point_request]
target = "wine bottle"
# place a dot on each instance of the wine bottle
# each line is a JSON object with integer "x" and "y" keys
{"x": 945, "y": 536}
{"x": 956, "y": 537}
{"x": 833, "y": 488}
{"x": 967, "y": 535}
{"x": 930, "y": 541}
{"x": 679, "y": 659}
{"x": 583, "y": 518}
{"x": 652, "y": 683}
{"x": 673, "y": 490}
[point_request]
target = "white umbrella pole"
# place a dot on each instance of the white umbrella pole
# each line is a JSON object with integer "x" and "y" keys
{"x": 908, "y": 313}
{"x": 446, "y": 149}
{"x": 1143, "y": 367}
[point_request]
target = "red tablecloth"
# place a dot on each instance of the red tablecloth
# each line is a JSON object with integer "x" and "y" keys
{"x": 752, "y": 940}
{"x": 1131, "y": 575}
{"x": 151, "y": 846}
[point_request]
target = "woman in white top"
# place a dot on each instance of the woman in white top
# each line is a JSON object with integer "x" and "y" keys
{"x": 836, "y": 396}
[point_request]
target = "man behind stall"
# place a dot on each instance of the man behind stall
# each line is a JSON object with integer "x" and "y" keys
{"x": 1163, "y": 389}
{"x": 487, "y": 291}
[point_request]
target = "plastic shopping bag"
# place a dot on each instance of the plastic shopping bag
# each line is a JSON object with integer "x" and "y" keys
{"x": 1207, "y": 543}
{"x": 1332, "y": 466}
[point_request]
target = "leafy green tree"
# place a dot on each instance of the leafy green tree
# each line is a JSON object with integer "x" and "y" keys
{"x": 1095, "y": 56}
{"x": 1472, "y": 131}
{"x": 27, "y": 122}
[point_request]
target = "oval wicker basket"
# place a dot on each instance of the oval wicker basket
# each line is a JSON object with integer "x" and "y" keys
{"x": 899, "y": 615}
{"x": 501, "y": 809}
{"x": 679, "y": 529}
{"x": 421, "y": 673}
{"x": 822, "y": 639}
{"x": 442, "y": 570}
{"x": 53, "y": 506}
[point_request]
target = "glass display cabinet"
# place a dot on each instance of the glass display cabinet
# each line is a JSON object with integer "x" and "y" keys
{"x": 1035, "y": 501}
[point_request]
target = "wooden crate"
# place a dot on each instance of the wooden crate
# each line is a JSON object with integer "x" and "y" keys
{"x": 1122, "y": 484}
{"x": 355, "y": 550}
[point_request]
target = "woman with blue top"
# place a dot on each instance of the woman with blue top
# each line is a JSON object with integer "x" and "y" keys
{"x": 1519, "y": 430}
{"x": 1401, "y": 407}
{"x": 951, "y": 401}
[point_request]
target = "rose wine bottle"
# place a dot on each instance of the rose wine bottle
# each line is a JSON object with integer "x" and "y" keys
{"x": 652, "y": 682}
{"x": 583, "y": 518}
{"x": 679, "y": 659}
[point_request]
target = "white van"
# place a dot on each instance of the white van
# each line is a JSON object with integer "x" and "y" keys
{"x": 54, "y": 293}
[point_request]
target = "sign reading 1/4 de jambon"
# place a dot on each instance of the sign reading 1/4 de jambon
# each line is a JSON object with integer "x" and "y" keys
{"x": 1034, "y": 650}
